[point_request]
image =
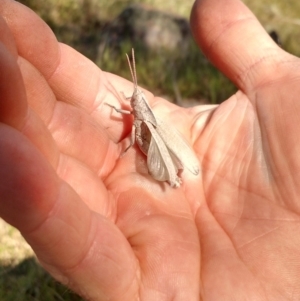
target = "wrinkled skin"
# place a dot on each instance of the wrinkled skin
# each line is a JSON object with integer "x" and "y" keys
{"x": 100, "y": 224}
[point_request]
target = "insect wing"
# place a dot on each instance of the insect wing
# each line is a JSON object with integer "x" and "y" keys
{"x": 178, "y": 147}
{"x": 160, "y": 163}
{"x": 150, "y": 116}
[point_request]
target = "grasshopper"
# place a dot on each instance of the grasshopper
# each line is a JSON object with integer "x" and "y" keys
{"x": 166, "y": 150}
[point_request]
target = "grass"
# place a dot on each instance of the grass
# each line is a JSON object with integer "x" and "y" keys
{"x": 83, "y": 27}
{"x": 27, "y": 281}
{"x": 282, "y": 16}
{"x": 163, "y": 73}
{"x": 175, "y": 78}
{"x": 21, "y": 277}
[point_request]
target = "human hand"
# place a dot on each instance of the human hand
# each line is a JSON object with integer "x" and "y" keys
{"x": 98, "y": 224}
{"x": 102, "y": 225}
{"x": 249, "y": 152}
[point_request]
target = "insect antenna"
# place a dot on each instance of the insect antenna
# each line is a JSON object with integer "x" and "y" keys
{"x": 132, "y": 70}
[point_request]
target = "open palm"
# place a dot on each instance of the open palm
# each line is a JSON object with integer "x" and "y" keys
{"x": 101, "y": 224}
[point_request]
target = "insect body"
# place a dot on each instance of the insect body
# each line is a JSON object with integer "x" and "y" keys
{"x": 166, "y": 151}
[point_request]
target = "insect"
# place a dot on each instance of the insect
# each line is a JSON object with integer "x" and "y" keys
{"x": 166, "y": 150}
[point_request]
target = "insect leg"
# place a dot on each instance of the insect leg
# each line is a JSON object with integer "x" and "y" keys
{"x": 124, "y": 96}
{"x": 118, "y": 110}
{"x": 132, "y": 140}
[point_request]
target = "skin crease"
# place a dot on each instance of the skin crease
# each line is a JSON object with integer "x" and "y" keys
{"x": 100, "y": 224}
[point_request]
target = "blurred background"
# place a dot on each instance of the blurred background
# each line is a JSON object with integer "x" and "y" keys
{"x": 168, "y": 64}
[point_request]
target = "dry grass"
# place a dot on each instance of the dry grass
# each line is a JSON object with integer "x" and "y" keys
{"x": 13, "y": 247}
{"x": 21, "y": 277}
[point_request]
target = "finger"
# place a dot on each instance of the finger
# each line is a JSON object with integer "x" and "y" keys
{"x": 7, "y": 38}
{"x": 78, "y": 247}
{"x": 76, "y": 134}
{"x": 40, "y": 46}
{"x": 68, "y": 71}
{"x": 77, "y": 148}
{"x": 73, "y": 78}
{"x": 13, "y": 106}
{"x": 14, "y": 110}
{"x": 233, "y": 39}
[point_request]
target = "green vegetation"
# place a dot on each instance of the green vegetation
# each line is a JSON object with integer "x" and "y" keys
{"x": 82, "y": 24}
{"x": 167, "y": 75}
{"x": 282, "y": 16}
{"x": 27, "y": 281}
{"x": 21, "y": 277}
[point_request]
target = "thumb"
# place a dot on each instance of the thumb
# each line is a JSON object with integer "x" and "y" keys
{"x": 234, "y": 41}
